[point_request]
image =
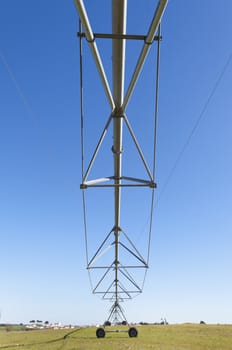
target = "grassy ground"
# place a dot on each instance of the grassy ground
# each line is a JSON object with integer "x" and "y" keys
{"x": 171, "y": 337}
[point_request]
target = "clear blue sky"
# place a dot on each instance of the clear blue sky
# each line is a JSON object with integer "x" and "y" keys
{"x": 42, "y": 254}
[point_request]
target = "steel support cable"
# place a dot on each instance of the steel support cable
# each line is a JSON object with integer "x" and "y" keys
{"x": 195, "y": 126}
{"x": 154, "y": 159}
{"x": 81, "y": 101}
{"x": 156, "y": 100}
{"x": 82, "y": 148}
{"x": 155, "y": 135}
{"x": 150, "y": 219}
{"x": 154, "y": 149}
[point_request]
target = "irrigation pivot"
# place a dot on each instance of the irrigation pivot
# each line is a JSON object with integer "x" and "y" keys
{"x": 121, "y": 285}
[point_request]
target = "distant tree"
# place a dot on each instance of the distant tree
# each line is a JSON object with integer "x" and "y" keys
{"x": 32, "y": 321}
{"x": 8, "y": 328}
{"x": 46, "y": 322}
{"x": 202, "y": 322}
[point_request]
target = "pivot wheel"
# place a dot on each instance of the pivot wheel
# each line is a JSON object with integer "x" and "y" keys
{"x": 132, "y": 332}
{"x": 100, "y": 333}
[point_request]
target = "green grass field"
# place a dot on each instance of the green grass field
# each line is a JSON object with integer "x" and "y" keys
{"x": 170, "y": 337}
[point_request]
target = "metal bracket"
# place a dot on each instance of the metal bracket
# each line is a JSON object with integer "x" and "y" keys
{"x": 121, "y": 36}
{"x": 83, "y": 186}
{"x": 116, "y": 152}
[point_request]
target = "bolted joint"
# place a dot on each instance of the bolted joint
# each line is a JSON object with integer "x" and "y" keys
{"x": 116, "y": 228}
{"x": 153, "y": 185}
{"x": 116, "y": 152}
{"x": 156, "y": 38}
{"x": 83, "y": 186}
{"x": 118, "y": 113}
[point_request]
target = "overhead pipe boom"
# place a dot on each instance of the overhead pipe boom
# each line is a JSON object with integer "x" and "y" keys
{"x": 148, "y": 41}
{"x": 93, "y": 46}
{"x": 119, "y": 9}
{"x": 114, "y": 273}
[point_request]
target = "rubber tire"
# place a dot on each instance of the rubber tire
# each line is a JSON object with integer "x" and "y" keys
{"x": 100, "y": 333}
{"x": 132, "y": 332}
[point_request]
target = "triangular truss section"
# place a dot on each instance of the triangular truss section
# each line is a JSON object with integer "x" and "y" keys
{"x": 127, "y": 246}
{"x": 130, "y": 259}
{"x": 124, "y": 181}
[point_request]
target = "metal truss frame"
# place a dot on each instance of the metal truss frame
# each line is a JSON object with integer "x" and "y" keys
{"x": 116, "y": 291}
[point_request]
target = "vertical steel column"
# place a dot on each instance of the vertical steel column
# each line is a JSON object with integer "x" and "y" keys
{"x": 119, "y": 9}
